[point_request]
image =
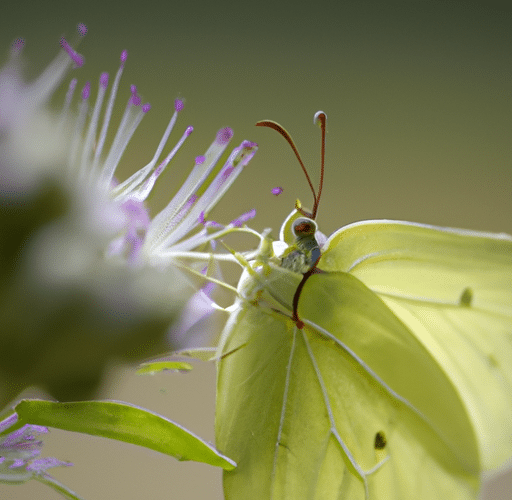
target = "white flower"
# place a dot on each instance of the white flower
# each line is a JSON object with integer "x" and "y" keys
{"x": 86, "y": 276}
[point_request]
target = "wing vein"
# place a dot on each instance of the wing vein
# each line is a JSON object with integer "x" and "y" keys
{"x": 377, "y": 378}
{"x": 362, "y": 474}
{"x": 423, "y": 301}
{"x": 283, "y": 410}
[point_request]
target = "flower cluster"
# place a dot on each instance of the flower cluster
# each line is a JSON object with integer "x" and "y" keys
{"x": 19, "y": 452}
{"x": 86, "y": 275}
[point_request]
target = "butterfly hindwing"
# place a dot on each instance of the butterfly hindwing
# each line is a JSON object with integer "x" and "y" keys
{"x": 452, "y": 288}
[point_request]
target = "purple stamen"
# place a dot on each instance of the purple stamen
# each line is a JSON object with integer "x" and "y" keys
{"x": 92, "y": 128}
{"x": 75, "y": 56}
{"x": 82, "y": 29}
{"x": 245, "y": 152}
{"x": 224, "y": 135}
{"x": 20, "y": 447}
{"x": 209, "y": 196}
{"x": 144, "y": 191}
{"x": 131, "y": 243}
{"x": 178, "y": 105}
{"x": 242, "y": 219}
{"x": 159, "y": 169}
{"x": 20, "y": 437}
{"x": 86, "y": 91}
{"x": 124, "y": 56}
{"x": 135, "y": 182}
{"x": 200, "y": 160}
{"x": 41, "y": 464}
{"x": 79, "y": 127}
{"x": 17, "y": 45}
{"x": 135, "y": 100}
{"x": 104, "y": 80}
{"x": 185, "y": 209}
{"x": 277, "y": 191}
{"x": 189, "y": 130}
{"x": 108, "y": 112}
{"x": 208, "y": 223}
{"x": 225, "y": 173}
{"x": 191, "y": 201}
{"x": 240, "y": 156}
{"x": 146, "y": 107}
{"x": 129, "y": 123}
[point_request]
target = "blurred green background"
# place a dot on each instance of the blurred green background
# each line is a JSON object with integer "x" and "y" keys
{"x": 418, "y": 98}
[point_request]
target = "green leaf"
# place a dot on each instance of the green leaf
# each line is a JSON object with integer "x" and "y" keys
{"x": 153, "y": 367}
{"x": 123, "y": 422}
{"x": 200, "y": 353}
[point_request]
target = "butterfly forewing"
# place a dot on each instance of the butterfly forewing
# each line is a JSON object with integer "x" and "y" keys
{"x": 299, "y": 413}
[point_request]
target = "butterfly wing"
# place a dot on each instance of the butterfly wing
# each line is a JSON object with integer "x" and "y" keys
{"x": 306, "y": 415}
{"x": 453, "y": 290}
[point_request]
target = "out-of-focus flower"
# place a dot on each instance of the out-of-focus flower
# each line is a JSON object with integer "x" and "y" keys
{"x": 86, "y": 276}
{"x": 19, "y": 452}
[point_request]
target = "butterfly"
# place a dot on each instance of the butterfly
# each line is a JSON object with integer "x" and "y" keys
{"x": 375, "y": 364}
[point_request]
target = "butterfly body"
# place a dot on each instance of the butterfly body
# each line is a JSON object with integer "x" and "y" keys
{"x": 302, "y": 410}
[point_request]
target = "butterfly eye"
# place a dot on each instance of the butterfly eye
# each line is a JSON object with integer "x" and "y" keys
{"x": 304, "y": 227}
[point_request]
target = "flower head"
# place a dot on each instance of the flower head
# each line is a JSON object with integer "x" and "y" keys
{"x": 19, "y": 452}
{"x": 87, "y": 275}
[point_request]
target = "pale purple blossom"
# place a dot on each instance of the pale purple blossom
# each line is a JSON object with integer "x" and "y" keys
{"x": 20, "y": 450}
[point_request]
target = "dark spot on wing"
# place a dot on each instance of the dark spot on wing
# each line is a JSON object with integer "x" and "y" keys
{"x": 466, "y": 297}
{"x": 380, "y": 440}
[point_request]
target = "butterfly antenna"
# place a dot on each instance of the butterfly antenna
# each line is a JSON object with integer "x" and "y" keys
{"x": 320, "y": 119}
{"x": 286, "y": 135}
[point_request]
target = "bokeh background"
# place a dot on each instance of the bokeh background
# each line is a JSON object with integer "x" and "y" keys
{"x": 418, "y": 98}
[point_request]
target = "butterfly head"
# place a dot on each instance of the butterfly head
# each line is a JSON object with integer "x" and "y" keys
{"x": 304, "y": 227}
{"x": 302, "y": 255}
